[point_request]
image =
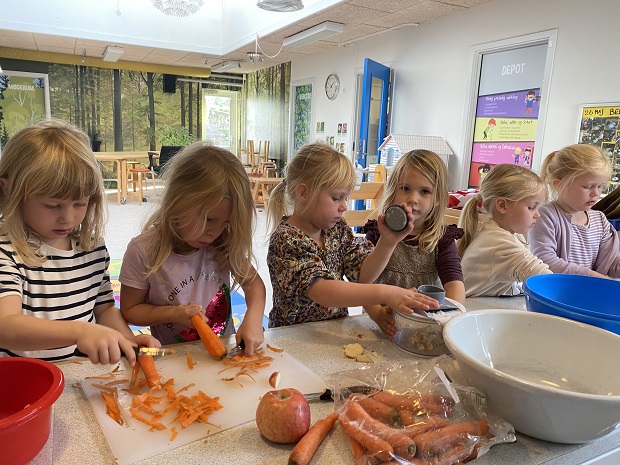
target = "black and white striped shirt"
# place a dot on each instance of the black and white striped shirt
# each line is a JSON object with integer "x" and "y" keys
{"x": 67, "y": 286}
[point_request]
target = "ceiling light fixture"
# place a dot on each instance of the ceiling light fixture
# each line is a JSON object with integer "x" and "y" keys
{"x": 227, "y": 65}
{"x": 318, "y": 32}
{"x": 282, "y": 6}
{"x": 179, "y": 8}
{"x": 255, "y": 56}
{"x": 112, "y": 53}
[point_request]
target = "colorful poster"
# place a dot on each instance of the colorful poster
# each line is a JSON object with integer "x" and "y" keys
{"x": 599, "y": 125}
{"x": 523, "y": 103}
{"x": 24, "y": 100}
{"x": 504, "y": 131}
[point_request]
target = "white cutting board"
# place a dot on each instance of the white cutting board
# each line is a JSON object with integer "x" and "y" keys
{"x": 135, "y": 442}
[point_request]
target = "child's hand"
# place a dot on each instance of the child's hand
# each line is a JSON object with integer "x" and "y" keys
{"x": 384, "y": 318}
{"x": 141, "y": 340}
{"x": 186, "y": 312}
{"x": 409, "y": 300}
{"x": 104, "y": 345}
{"x": 394, "y": 237}
{"x": 252, "y": 335}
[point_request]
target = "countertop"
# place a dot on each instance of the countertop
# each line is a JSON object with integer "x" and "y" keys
{"x": 77, "y": 437}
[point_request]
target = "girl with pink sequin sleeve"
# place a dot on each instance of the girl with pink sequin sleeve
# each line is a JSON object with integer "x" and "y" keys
{"x": 191, "y": 248}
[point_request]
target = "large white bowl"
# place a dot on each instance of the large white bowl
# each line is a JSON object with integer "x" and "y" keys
{"x": 550, "y": 377}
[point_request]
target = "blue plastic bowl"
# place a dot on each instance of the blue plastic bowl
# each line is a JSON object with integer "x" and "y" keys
{"x": 594, "y": 301}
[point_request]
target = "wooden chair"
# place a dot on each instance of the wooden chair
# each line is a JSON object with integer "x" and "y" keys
{"x": 140, "y": 174}
{"x": 263, "y": 151}
{"x": 250, "y": 153}
{"x": 369, "y": 190}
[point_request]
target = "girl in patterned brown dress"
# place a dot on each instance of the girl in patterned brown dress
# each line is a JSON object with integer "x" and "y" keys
{"x": 313, "y": 249}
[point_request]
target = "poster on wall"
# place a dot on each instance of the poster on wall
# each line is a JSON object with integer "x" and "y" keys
{"x": 24, "y": 100}
{"x": 599, "y": 125}
{"x": 302, "y": 115}
{"x": 507, "y": 109}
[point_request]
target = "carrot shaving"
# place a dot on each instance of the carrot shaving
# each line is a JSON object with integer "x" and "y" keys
{"x": 274, "y": 349}
{"x": 112, "y": 408}
{"x": 150, "y": 405}
{"x": 190, "y": 362}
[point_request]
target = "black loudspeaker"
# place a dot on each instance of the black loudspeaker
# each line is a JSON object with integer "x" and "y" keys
{"x": 170, "y": 83}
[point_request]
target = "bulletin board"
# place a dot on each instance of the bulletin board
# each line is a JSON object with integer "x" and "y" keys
{"x": 599, "y": 125}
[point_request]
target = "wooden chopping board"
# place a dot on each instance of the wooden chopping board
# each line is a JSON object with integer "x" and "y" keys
{"x": 135, "y": 442}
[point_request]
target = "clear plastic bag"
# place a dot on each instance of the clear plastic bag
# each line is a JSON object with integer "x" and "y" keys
{"x": 417, "y": 412}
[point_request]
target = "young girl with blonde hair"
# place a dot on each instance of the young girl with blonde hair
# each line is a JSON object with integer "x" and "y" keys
{"x": 495, "y": 258}
{"x": 569, "y": 236}
{"x": 183, "y": 260}
{"x": 311, "y": 250}
{"x": 54, "y": 281}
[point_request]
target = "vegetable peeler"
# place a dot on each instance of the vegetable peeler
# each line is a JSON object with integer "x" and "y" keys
{"x": 153, "y": 351}
{"x": 238, "y": 349}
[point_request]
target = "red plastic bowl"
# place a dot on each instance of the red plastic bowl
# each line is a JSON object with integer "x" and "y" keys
{"x": 28, "y": 389}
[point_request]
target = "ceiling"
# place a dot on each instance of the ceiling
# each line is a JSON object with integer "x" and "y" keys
{"x": 362, "y": 19}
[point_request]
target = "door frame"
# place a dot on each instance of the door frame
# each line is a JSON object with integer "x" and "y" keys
{"x": 476, "y": 55}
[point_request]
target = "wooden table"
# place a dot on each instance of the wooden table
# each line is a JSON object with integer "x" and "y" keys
{"x": 261, "y": 188}
{"x": 319, "y": 347}
{"x": 121, "y": 159}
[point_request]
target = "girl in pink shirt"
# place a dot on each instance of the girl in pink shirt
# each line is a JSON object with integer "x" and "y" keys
{"x": 182, "y": 262}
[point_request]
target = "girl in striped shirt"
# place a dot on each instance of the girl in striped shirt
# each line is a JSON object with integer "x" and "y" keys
{"x": 55, "y": 291}
{"x": 569, "y": 236}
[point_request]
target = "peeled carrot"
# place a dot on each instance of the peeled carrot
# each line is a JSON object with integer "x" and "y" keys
{"x": 306, "y": 447}
{"x": 148, "y": 368}
{"x": 403, "y": 446}
{"x": 210, "y": 340}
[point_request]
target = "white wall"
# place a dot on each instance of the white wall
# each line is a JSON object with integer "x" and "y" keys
{"x": 432, "y": 65}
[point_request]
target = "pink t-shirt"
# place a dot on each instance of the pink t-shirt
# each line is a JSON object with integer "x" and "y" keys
{"x": 181, "y": 279}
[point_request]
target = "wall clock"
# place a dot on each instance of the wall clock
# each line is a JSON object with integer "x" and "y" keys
{"x": 332, "y": 86}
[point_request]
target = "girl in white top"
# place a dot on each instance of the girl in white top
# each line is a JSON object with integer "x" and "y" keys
{"x": 181, "y": 264}
{"x": 495, "y": 258}
{"x": 55, "y": 291}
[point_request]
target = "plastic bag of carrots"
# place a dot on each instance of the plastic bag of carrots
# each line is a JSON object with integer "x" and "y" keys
{"x": 410, "y": 413}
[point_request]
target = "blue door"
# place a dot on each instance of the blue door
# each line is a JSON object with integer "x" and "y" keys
{"x": 374, "y": 110}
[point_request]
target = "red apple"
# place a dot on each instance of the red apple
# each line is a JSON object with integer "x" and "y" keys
{"x": 283, "y": 415}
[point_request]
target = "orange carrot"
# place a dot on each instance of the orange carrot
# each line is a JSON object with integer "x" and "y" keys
{"x": 210, "y": 340}
{"x": 374, "y": 445}
{"x": 379, "y": 411}
{"x": 421, "y": 424}
{"x": 148, "y": 368}
{"x": 430, "y": 404}
{"x": 403, "y": 446}
{"x": 306, "y": 447}
{"x": 190, "y": 362}
{"x": 359, "y": 454}
{"x": 433, "y": 443}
